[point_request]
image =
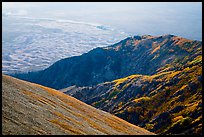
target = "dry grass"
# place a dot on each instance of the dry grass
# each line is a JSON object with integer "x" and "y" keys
{"x": 119, "y": 81}
{"x": 141, "y": 99}
{"x": 177, "y": 118}
{"x": 155, "y": 49}
{"x": 66, "y": 127}
{"x": 41, "y": 110}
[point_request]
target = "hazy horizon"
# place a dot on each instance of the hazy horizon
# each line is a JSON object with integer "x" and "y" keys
{"x": 134, "y": 18}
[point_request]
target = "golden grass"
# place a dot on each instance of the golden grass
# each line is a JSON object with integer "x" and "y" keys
{"x": 158, "y": 75}
{"x": 177, "y": 118}
{"x": 155, "y": 49}
{"x": 196, "y": 60}
{"x": 121, "y": 80}
{"x": 141, "y": 99}
{"x": 97, "y": 126}
{"x": 180, "y": 41}
{"x": 40, "y": 98}
{"x": 157, "y": 55}
{"x": 66, "y": 126}
{"x": 192, "y": 107}
{"x": 183, "y": 87}
{"x": 65, "y": 117}
{"x": 198, "y": 119}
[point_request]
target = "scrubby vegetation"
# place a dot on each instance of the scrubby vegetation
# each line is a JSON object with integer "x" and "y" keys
{"x": 168, "y": 101}
{"x": 153, "y": 82}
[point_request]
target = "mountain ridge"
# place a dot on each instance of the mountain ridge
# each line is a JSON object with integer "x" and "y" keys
{"x": 143, "y": 99}
{"x": 133, "y": 55}
{"x": 173, "y": 94}
{"x": 151, "y": 81}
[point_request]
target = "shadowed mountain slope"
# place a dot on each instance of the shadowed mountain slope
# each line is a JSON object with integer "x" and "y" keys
{"x": 151, "y": 81}
{"x": 158, "y": 103}
{"x": 168, "y": 102}
{"x": 133, "y": 55}
{"x": 34, "y": 109}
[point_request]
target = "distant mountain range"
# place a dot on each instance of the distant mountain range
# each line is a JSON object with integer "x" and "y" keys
{"x": 151, "y": 81}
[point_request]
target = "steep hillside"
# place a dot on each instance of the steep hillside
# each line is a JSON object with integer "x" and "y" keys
{"x": 168, "y": 102}
{"x": 34, "y": 109}
{"x": 134, "y": 55}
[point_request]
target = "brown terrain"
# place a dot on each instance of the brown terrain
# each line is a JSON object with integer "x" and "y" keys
{"x": 30, "y": 108}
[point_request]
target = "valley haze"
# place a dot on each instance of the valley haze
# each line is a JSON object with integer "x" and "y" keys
{"x": 33, "y": 41}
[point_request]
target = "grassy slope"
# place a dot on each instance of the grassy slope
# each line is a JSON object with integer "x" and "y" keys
{"x": 168, "y": 102}
{"x": 176, "y": 93}
{"x": 34, "y": 109}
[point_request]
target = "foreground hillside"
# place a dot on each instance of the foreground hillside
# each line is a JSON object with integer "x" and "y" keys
{"x": 34, "y": 109}
{"x": 133, "y": 55}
